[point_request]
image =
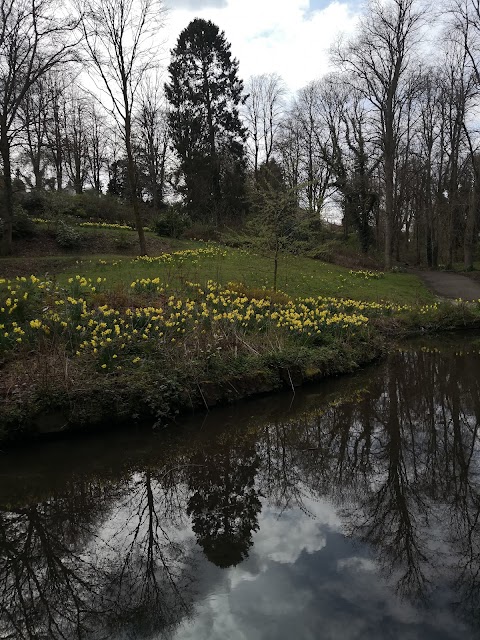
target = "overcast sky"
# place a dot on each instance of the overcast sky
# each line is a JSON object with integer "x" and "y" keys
{"x": 290, "y": 37}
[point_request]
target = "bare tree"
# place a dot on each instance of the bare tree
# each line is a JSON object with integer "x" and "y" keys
{"x": 316, "y": 172}
{"x": 264, "y": 109}
{"x": 377, "y": 61}
{"x": 97, "y": 146}
{"x": 466, "y": 21}
{"x": 118, "y": 36}
{"x": 35, "y": 37}
{"x": 33, "y": 115}
{"x": 289, "y": 147}
{"x": 56, "y": 87}
{"x": 458, "y": 91}
{"x": 153, "y": 140}
{"x": 75, "y": 140}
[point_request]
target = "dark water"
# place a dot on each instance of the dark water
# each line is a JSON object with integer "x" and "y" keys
{"x": 351, "y": 511}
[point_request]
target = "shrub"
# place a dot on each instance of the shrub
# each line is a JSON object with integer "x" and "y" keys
{"x": 104, "y": 207}
{"x": 308, "y": 228}
{"x": 67, "y": 237}
{"x": 123, "y": 241}
{"x": 171, "y": 223}
{"x": 35, "y": 203}
{"x": 23, "y": 225}
{"x": 201, "y": 231}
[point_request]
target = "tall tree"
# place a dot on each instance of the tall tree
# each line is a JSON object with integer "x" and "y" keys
{"x": 34, "y": 119}
{"x": 205, "y": 93}
{"x": 75, "y": 140}
{"x": 97, "y": 146}
{"x": 56, "y": 88}
{"x": 119, "y": 42}
{"x": 153, "y": 142}
{"x": 378, "y": 61}
{"x": 316, "y": 172}
{"x": 264, "y": 109}
{"x": 35, "y": 36}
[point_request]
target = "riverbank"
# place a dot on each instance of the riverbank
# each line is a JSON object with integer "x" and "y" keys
{"x": 78, "y": 352}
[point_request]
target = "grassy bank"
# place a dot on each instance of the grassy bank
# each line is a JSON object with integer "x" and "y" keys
{"x": 297, "y": 276}
{"x": 121, "y": 338}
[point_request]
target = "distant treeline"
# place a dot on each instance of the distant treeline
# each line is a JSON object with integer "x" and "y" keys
{"x": 389, "y": 139}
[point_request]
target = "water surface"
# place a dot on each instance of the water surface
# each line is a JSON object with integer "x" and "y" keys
{"x": 350, "y": 511}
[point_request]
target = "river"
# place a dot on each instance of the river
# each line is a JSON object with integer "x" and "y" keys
{"x": 349, "y": 510}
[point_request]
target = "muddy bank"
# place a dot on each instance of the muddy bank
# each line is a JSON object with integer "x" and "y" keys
{"x": 158, "y": 400}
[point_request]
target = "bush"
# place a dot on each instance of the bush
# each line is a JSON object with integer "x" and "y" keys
{"x": 308, "y": 228}
{"x": 238, "y": 240}
{"x": 172, "y": 222}
{"x": 86, "y": 206}
{"x": 105, "y": 208}
{"x": 35, "y": 203}
{"x": 199, "y": 231}
{"x": 67, "y": 237}
{"x": 123, "y": 241}
{"x": 23, "y": 225}
{"x": 66, "y": 205}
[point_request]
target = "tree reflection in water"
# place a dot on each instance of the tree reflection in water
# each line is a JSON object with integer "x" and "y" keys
{"x": 395, "y": 450}
{"x": 224, "y": 503}
{"x": 100, "y": 558}
{"x": 46, "y": 583}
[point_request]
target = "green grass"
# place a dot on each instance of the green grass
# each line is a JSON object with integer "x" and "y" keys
{"x": 80, "y": 348}
{"x": 297, "y": 276}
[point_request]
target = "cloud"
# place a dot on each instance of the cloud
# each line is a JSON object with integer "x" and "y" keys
{"x": 195, "y": 5}
{"x": 284, "y": 537}
{"x": 335, "y": 592}
{"x": 289, "y": 37}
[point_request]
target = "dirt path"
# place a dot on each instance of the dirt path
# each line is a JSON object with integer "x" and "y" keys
{"x": 450, "y": 285}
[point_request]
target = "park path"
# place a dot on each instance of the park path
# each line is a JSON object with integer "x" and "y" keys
{"x": 450, "y": 285}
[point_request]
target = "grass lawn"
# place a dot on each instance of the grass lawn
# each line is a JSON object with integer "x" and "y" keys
{"x": 297, "y": 276}
{"x": 81, "y": 339}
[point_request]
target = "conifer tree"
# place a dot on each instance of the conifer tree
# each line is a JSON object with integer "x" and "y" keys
{"x": 204, "y": 93}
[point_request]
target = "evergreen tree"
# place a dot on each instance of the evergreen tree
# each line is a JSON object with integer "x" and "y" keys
{"x": 204, "y": 94}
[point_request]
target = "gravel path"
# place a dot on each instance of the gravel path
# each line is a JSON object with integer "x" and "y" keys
{"x": 450, "y": 285}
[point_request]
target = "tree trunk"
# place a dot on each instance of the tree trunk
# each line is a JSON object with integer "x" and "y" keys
{"x": 6, "y": 240}
{"x": 132, "y": 183}
{"x": 78, "y": 173}
{"x": 275, "y": 265}
{"x": 389, "y": 187}
{"x": 213, "y": 150}
{"x": 57, "y": 154}
{"x": 469, "y": 238}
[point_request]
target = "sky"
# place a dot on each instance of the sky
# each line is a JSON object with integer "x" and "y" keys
{"x": 289, "y": 37}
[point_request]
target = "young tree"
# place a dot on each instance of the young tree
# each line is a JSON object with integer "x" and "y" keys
{"x": 205, "y": 93}
{"x": 119, "y": 42}
{"x": 35, "y": 37}
{"x": 274, "y": 207}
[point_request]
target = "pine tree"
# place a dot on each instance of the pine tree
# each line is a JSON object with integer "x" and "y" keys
{"x": 204, "y": 93}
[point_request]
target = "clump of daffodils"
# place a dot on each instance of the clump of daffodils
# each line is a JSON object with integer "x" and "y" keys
{"x": 367, "y": 274}
{"x": 156, "y": 319}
